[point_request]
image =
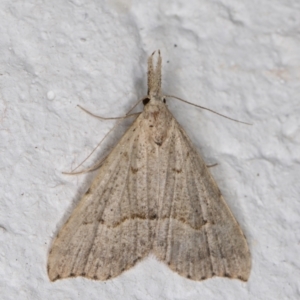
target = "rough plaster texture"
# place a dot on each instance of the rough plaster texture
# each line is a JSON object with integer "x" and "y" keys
{"x": 240, "y": 58}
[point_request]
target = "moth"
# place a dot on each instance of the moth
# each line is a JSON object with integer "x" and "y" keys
{"x": 153, "y": 195}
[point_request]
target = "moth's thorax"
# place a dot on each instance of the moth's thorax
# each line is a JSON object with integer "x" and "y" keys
{"x": 157, "y": 119}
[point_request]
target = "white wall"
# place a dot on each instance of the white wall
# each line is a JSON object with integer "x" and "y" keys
{"x": 240, "y": 58}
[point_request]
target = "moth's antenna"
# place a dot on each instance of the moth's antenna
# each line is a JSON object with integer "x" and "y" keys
{"x": 202, "y": 107}
{"x": 99, "y": 163}
{"x": 113, "y": 118}
{"x": 108, "y": 118}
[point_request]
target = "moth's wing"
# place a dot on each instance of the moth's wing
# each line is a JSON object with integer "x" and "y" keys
{"x": 197, "y": 235}
{"x": 107, "y": 232}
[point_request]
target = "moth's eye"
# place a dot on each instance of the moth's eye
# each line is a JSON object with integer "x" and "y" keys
{"x": 145, "y": 101}
{"x": 164, "y": 101}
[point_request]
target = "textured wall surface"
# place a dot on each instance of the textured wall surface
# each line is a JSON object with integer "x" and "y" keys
{"x": 240, "y": 58}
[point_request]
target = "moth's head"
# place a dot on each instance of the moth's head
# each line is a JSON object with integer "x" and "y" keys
{"x": 154, "y": 100}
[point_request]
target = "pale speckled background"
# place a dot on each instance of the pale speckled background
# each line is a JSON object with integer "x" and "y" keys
{"x": 241, "y": 58}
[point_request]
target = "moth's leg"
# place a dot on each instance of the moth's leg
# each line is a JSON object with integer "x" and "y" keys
{"x": 211, "y": 166}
